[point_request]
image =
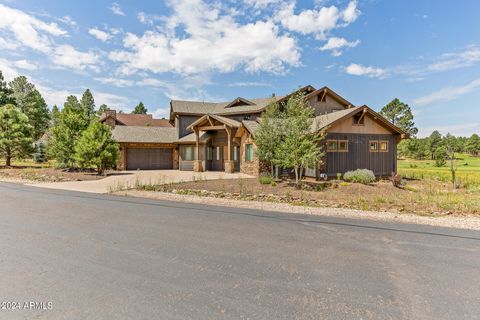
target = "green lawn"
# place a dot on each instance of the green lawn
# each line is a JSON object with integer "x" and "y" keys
{"x": 468, "y": 170}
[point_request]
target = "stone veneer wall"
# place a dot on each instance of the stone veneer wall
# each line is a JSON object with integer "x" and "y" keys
{"x": 249, "y": 167}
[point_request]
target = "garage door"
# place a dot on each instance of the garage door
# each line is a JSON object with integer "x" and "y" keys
{"x": 149, "y": 159}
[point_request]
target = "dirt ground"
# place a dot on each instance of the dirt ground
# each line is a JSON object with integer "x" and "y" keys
{"x": 430, "y": 198}
{"x": 46, "y": 174}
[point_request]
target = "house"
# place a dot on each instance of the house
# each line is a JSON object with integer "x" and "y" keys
{"x": 220, "y": 136}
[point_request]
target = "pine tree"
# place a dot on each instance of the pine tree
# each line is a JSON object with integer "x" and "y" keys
{"x": 96, "y": 147}
{"x": 40, "y": 155}
{"x": 31, "y": 102}
{"x": 400, "y": 114}
{"x": 15, "y": 133}
{"x": 472, "y": 145}
{"x": 88, "y": 104}
{"x": 5, "y": 92}
{"x": 140, "y": 109}
{"x": 102, "y": 109}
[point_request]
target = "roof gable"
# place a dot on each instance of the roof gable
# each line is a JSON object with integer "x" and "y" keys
{"x": 324, "y": 91}
{"x": 239, "y": 102}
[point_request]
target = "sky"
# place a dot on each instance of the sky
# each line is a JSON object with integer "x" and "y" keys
{"x": 426, "y": 53}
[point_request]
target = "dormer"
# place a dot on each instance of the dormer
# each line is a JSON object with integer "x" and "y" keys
{"x": 239, "y": 102}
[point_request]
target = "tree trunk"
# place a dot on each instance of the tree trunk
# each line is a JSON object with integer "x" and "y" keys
{"x": 8, "y": 161}
{"x": 272, "y": 170}
{"x": 296, "y": 174}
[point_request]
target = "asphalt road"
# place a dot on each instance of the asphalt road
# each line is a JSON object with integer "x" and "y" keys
{"x": 107, "y": 257}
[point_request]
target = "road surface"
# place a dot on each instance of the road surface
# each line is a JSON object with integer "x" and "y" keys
{"x": 71, "y": 255}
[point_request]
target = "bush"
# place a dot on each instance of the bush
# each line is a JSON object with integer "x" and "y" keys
{"x": 363, "y": 176}
{"x": 266, "y": 179}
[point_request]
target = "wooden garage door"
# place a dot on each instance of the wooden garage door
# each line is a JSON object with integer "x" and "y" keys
{"x": 149, "y": 159}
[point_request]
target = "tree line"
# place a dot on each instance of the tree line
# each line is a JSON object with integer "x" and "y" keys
{"x": 72, "y": 135}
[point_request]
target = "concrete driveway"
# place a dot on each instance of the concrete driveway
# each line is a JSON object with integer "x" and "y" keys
{"x": 125, "y": 179}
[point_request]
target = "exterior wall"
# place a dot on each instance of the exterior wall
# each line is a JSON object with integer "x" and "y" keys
{"x": 370, "y": 127}
{"x": 186, "y": 165}
{"x": 359, "y": 156}
{"x": 327, "y": 106}
{"x": 241, "y": 117}
{"x": 183, "y": 123}
{"x": 249, "y": 167}
{"x": 122, "y": 161}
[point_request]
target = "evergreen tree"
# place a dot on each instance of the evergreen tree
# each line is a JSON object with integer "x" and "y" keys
{"x": 96, "y": 147}
{"x": 55, "y": 114}
{"x": 88, "y": 104}
{"x": 40, "y": 155}
{"x": 472, "y": 146}
{"x": 102, "y": 109}
{"x": 268, "y": 134}
{"x": 434, "y": 141}
{"x": 5, "y": 92}
{"x": 300, "y": 146}
{"x": 72, "y": 121}
{"x": 15, "y": 133}
{"x": 400, "y": 114}
{"x": 140, "y": 109}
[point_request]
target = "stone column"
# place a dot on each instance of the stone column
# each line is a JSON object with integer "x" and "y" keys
{"x": 229, "y": 164}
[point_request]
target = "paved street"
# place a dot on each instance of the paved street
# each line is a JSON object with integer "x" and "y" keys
{"x": 105, "y": 257}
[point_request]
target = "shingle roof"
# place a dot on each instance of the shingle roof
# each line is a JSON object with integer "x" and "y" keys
{"x": 144, "y": 134}
{"x": 251, "y": 125}
{"x": 219, "y": 108}
{"x": 138, "y": 120}
{"x": 190, "y": 138}
{"x": 325, "y": 120}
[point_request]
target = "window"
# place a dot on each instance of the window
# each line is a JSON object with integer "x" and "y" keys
{"x": 358, "y": 120}
{"x": 247, "y": 117}
{"x": 235, "y": 153}
{"x": 342, "y": 145}
{"x": 209, "y": 153}
{"x": 218, "y": 153}
{"x": 332, "y": 146}
{"x": 378, "y": 146}
{"x": 383, "y": 146}
{"x": 188, "y": 153}
{"x": 248, "y": 152}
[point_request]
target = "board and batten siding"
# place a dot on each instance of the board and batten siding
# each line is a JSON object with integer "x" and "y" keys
{"x": 359, "y": 155}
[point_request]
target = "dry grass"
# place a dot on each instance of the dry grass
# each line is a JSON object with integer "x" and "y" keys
{"x": 431, "y": 198}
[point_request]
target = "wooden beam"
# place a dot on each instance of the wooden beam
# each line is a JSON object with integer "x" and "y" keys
{"x": 229, "y": 150}
{"x": 197, "y": 140}
{"x": 210, "y": 120}
{"x": 324, "y": 94}
{"x": 207, "y": 128}
{"x": 363, "y": 114}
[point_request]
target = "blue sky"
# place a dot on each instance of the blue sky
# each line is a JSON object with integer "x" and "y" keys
{"x": 426, "y": 53}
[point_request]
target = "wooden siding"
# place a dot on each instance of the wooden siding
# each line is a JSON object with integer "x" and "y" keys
{"x": 370, "y": 126}
{"x": 359, "y": 155}
{"x": 188, "y": 165}
{"x": 327, "y": 106}
{"x": 183, "y": 123}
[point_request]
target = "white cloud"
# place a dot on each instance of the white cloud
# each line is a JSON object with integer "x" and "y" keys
{"x": 69, "y": 57}
{"x": 447, "y": 94}
{"x": 456, "y": 60}
{"x": 335, "y": 45}
{"x": 208, "y": 40}
{"x": 8, "y": 71}
{"x": 260, "y": 4}
{"x": 116, "y": 82}
{"x": 148, "y": 18}
{"x": 28, "y": 30}
{"x": 359, "y": 70}
{"x": 249, "y": 84}
{"x": 116, "y": 9}
{"x": 317, "y": 21}
{"x": 69, "y": 21}
{"x": 26, "y": 65}
{"x": 99, "y": 34}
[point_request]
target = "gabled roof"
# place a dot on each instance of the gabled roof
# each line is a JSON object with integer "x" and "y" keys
{"x": 208, "y": 117}
{"x": 138, "y": 120}
{"x": 307, "y": 89}
{"x": 250, "y": 125}
{"x": 333, "y": 94}
{"x": 135, "y": 134}
{"x": 238, "y": 102}
{"x": 329, "y": 119}
{"x": 218, "y": 108}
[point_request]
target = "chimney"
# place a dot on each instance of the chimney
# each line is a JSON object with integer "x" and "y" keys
{"x": 110, "y": 118}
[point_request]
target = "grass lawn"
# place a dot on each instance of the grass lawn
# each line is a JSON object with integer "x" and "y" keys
{"x": 468, "y": 170}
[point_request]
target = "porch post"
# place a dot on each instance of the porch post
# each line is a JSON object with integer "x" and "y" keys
{"x": 229, "y": 165}
{"x": 197, "y": 163}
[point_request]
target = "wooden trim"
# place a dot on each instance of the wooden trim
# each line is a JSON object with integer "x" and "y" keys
{"x": 207, "y": 128}
{"x": 383, "y": 141}
{"x": 336, "y": 145}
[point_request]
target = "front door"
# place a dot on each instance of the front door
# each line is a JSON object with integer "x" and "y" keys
{"x": 217, "y": 162}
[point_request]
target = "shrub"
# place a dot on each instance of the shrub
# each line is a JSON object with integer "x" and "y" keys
{"x": 363, "y": 176}
{"x": 266, "y": 179}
